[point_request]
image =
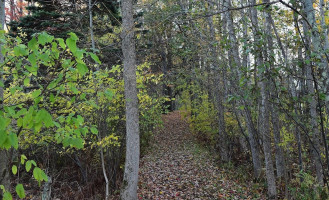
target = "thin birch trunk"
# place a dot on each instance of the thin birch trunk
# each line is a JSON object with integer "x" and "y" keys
{"x": 91, "y": 27}
{"x": 264, "y": 107}
{"x": 279, "y": 153}
{"x": 315, "y": 40}
{"x": 235, "y": 63}
{"x": 222, "y": 139}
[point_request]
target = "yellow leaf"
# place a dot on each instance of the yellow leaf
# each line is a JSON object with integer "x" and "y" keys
{"x": 315, "y": 5}
{"x": 326, "y": 20}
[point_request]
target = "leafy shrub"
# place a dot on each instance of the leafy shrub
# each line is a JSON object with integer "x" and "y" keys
{"x": 55, "y": 102}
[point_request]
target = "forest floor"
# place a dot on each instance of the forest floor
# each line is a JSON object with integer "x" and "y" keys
{"x": 177, "y": 167}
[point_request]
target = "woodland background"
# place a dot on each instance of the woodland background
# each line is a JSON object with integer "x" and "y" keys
{"x": 250, "y": 76}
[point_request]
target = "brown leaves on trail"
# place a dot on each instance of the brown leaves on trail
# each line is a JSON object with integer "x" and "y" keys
{"x": 176, "y": 168}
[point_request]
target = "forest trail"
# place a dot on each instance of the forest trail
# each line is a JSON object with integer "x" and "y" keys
{"x": 175, "y": 167}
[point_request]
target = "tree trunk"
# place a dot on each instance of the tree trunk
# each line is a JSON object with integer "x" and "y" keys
{"x": 264, "y": 107}
{"x": 219, "y": 94}
{"x": 130, "y": 180}
{"x": 252, "y": 132}
{"x": 235, "y": 63}
{"x": 4, "y": 173}
{"x": 312, "y": 45}
{"x": 279, "y": 153}
{"x": 91, "y": 27}
{"x": 314, "y": 126}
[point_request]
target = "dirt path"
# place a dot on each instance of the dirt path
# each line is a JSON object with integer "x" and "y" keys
{"x": 176, "y": 168}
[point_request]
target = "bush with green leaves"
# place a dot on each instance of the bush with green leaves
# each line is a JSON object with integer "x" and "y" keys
{"x": 35, "y": 78}
{"x": 54, "y": 96}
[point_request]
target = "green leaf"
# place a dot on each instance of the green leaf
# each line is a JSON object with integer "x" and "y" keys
{"x": 13, "y": 90}
{"x": 82, "y": 69}
{"x": 20, "y": 191}
{"x": 94, "y": 130}
{"x": 44, "y": 38}
{"x": 36, "y": 93}
{"x": 37, "y": 127}
{"x": 26, "y": 82}
{"x": 37, "y": 174}
{"x": 48, "y": 120}
{"x": 61, "y": 43}
{"x": 3, "y": 138}
{"x": 20, "y": 122}
{"x": 28, "y": 165}
{"x": 14, "y": 169}
{"x": 20, "y": 50}
{"x": 32, "y": 44}
{"x": 28, "y": 118}
{"x": 58, "y": 125}
{"x": 33, "y": 69}
{"x": 11, "y": 111}
{"x": 52, "y": 98}
{"x": 33, "y": 60}
{"x": 77, "y": 142}
{"x": 84, "y": 131}
{"x": 33, "y": 162}
{"x": 79, "y": 55}
{"x": 45, "y": 117}
{"x": 74, "y": 89}
{"x": 44, "y": 176}
{"x": 95, "y": 58}
{"x": 13, "y": 140}
{"x": 23, "y": 158}
{"x": 7, "y": 196}
{"x": 7, "y": 143}
{"x": 4, "y": 122}
{"x": 72, "y": 44}
{"x": 73, "y": 36}
{"x": 21, "y": 112}
{"x": 109, "y": 94}
{"x": 83, "y": 96}
{"x": 54, "y": 47}
{"x": 80, "y": 120}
